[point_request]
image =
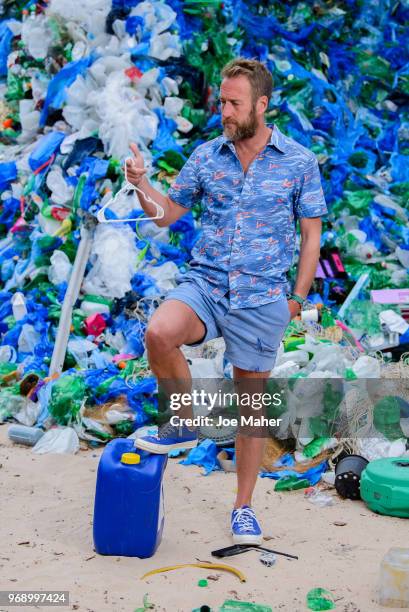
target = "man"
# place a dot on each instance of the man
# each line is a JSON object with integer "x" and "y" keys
{"x": 254, "y": 182}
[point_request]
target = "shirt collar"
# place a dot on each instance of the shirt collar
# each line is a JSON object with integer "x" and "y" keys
{"x": 276, "y": 140}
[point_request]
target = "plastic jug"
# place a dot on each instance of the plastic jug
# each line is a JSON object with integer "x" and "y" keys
{"x": 394, "y": 579}
{"x": 129, "y": 508}
{"x": 18, "y": 302}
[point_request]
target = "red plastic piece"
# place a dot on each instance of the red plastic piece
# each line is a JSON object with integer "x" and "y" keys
{"x": 95, "y": 324}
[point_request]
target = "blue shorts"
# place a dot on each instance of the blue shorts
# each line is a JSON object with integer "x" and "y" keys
{"x": 252, "y": 335}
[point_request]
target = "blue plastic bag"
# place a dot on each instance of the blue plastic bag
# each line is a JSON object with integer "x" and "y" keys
{"x": 57, "y": 87}
{"x": 8, "y": 173}
{"x": 49, "y": 144}
{"x": 205, "y": 454}
{"x": 313, "y": 474}
{"x": 6, "y": 36}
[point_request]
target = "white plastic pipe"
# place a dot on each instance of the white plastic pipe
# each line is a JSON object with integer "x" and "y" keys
{"x": 71, "y": 296}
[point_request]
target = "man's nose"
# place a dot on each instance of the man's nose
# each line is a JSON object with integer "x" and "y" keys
{"x": 227, "y": 111}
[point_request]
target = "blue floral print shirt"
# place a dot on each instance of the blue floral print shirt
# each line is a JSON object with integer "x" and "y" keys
{"x": 248, "y": 222}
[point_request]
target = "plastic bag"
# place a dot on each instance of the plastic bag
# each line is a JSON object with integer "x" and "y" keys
{"x": 60, "y": 269}
{"x": 205, "y": 454}
{"x": 8, "y": 173}
{"x": 80, "y": 349}
{"x": 6, "y": 36}
{"x": 29, "y": 119}
{"x": 163, "y": 275}
{"x": 67, "y": 397}
{"x": 89, "y": 17}
{"x": 61, "y": 192}
{"x": 37, "y": 35}
{"x": 28, "y": 339}
{"x": 58, "y": 440}
{"x": 44, "y": 149}
{"x": 114, "y": 257}
{"x": 367, "y": 367}
{"x": 56, "y": 91}
{"x": 28, "y": 413}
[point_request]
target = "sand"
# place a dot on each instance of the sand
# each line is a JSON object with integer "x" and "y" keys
{"x": 46, "y": 541}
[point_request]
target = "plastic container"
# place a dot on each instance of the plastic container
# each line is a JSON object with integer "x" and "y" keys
{"x": 394, "y": 579}
{"x": 385, "y": 486}
{"x": 95, "y": 305}
{"x": 18, "y": 302}
{"x": 348, "y": 474}
{"x": 231, "y": 605}
{"x": 129, "y": 508}
{"x": 22, "y": 434}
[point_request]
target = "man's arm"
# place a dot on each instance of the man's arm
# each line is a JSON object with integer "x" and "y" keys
{"x": 172, "y": 211}
{"x": 136, "y": 175}
{"x": 310, "y": 229}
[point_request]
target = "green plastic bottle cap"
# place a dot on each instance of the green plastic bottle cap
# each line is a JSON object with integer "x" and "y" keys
{"x": 203, "y": 583}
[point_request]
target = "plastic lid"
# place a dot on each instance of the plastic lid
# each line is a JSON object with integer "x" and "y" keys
{"x": 130, "y": 458}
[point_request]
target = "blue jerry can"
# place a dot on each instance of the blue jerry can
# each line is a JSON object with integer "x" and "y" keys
{"x": 129, "y": 509}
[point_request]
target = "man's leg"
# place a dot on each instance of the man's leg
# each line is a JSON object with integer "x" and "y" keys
{"x": 250, "y": 443}
{"x": 249, "y": 448}
{"x": 174, "y": 323}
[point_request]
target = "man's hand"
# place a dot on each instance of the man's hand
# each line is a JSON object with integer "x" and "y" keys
{"x": 135, "y": 166}
{"x": 294, "y": 307}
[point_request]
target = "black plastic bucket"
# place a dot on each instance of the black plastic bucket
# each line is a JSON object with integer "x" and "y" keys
{"x": 348, "y": 476}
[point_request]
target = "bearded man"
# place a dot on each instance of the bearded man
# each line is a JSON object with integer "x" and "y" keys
{"x": 254, "y": 183}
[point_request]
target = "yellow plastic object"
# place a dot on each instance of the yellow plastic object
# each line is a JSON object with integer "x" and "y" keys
{"x": 213, "y": 566}
{"x": 130, "y": 458}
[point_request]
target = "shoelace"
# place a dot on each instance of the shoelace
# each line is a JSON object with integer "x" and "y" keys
{"x": 244, "y": 517}
{"x": 168, "y": 431}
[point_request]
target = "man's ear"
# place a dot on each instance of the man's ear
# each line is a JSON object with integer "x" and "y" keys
{"x": 262, "y": 105}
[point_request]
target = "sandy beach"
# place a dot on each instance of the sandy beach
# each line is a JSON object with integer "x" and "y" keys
{"x": 46, "y": 541}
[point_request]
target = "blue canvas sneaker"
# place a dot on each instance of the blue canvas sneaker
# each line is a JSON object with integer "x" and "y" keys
{"x": 169, "y": 437}
{"x": 245, "y": 527}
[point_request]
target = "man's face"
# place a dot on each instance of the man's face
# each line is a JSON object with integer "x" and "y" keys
{"x": 239, "y": 116}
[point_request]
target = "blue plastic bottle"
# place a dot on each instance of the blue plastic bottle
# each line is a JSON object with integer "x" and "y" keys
{"x": 129, "y": 509}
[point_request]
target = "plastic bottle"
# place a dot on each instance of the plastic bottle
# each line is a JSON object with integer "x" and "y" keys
{"x": 95, "y": 305}
{"x": 7, "y": 353}
{"x": 231, "y": 605}
{"x": 291, "y": 483}
{"x": 318, "y": 498}
{"x": 394, "y": 579}
{"x": 18, "y": 302}
{"x": 129, "y": 509}
{"x": 22, "y": 434}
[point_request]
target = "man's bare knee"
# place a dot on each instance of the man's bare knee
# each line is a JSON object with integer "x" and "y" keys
{"x": 159, "y": 339}
{"x": 172, "y": 324}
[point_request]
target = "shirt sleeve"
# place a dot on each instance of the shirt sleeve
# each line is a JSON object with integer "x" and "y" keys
{"x": 187, "y": 190}
{"x": 310, "y": 201}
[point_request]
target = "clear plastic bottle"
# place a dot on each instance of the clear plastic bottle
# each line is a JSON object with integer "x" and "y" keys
{"x": 22, "y": 434}
{"x": 18, "y": 302}
{"x": 318, "y": 498}
{"x": 394, "y": 579}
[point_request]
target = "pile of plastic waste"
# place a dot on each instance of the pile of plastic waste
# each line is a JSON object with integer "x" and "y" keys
{"x": 80, "y": 83}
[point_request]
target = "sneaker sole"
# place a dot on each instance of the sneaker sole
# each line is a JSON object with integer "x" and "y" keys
{"x": 248, "y": 539}
{"x": 161, "y": 449}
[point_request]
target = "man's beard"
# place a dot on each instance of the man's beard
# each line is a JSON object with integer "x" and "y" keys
{"x": 238, "y": 131}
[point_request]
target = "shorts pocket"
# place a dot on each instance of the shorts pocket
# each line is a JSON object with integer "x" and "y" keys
{"x": 289, "y": 311}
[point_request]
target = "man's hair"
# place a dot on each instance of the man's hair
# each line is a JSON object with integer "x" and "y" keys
{"x": 261, "y": 80}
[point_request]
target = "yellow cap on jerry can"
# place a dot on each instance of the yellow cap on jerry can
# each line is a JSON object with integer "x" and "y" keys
{"x": 130, "y": 458}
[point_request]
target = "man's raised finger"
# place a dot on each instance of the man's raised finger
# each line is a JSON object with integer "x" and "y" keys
{"x": 135, "y": 150}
